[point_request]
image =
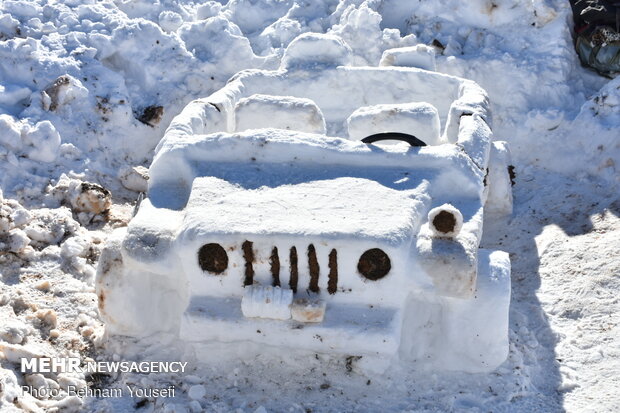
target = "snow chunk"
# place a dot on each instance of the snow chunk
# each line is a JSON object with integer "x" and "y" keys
{"x": 420, "y": 119}
{"x": 20, "y": 217}
{"x": 195, "y": 407}
{"x": 45, "y": 386}
{"x": 170, "y": 21}
{"x": 62, "y": 91}
{"x": 282, "y": 112}
{"x": 18, "y": 241}
{"x": 282, "y": 32}
{"x": 43, "y": 141}
{"x": 421, "y": 56}
{"x": 22, "y": 9}
{"x": 308, "y": 310}
{"x": 50, "y": 226}
{"x": 10, "y": 133}
{"x": 197, "y": 392}
{"x": 82, "y": 196}
{"x": 12, "y": 94}
{"x": 316, "y": 49}
{"x": 226, "y": 43}
{"x": 48, "y": 318}
{"x": 75, "y": 247}
{"x": 134, "y": 178}
{"x": 14, "y": 331}
{"x": 211, "y": 9}
{"x": 360, "y": 28}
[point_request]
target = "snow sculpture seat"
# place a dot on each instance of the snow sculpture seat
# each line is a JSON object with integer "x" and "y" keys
{"x": 255, "y": 238}
{"x": 283, "y": 112}
{"x": 421, "y": 56}
{"x": 420, "y": 119}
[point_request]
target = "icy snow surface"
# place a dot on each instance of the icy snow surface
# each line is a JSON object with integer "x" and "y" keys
{"x": 88, "y": 88}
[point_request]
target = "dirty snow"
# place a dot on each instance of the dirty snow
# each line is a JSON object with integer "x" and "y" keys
{"x": 88, "y": 88}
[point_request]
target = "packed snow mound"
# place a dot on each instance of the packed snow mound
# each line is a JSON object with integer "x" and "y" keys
{"x": 87, "y": 53}
{"x": 595, "y": 133}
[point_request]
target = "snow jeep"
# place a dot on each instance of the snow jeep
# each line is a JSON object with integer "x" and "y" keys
{"x": 270, "y": 220}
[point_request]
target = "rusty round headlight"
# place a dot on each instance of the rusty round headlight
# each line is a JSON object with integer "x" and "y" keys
{"x": 444, "y": 222}
{"x": 213, "y": 258}
{"x": 374, "y": 264}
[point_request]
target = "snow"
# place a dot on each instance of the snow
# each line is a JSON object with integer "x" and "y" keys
{"x": 559, "y": 119}
{"x": 420, "y": 119}
{"x": 420, "y": 55}
{"x": 229, "y": 210}
{"x": 318, "y": 50}
{"x": 282, "y": 112}
{"x": 267, "y": 302}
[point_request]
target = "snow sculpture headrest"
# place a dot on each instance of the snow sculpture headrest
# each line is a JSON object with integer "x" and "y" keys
{"x": 420, "y": 119}
{"x": 316, "y": 49}
{"x": 421, "y": 56}
{"x": 280, "y": 112}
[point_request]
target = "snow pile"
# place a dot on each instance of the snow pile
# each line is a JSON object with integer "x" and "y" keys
{"x": 593, "y": 134}
{"x": 46, "y": 257}
{"x": 76, "y": 82}
{"x": 39, "y": 142}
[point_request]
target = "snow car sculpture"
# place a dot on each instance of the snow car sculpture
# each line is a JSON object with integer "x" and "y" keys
{"x": 262, "y": 226}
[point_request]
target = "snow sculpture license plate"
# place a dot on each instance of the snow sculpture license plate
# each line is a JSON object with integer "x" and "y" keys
{"x": 268, "y": 221}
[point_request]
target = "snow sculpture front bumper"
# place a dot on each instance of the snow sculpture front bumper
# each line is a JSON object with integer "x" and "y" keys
{"x": 439, "y": 332}
{"x": 277, "y": 303}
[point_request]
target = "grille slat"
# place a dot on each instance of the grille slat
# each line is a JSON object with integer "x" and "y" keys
{"x": 332, "y": 283}
{"x": 274, "y": 262}
{"x": 294, "y": 275}
{"x": 313, "y": 265}
{"x": 248, "y": 255}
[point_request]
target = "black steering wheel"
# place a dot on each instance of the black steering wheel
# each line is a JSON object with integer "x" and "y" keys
{"x": 393, "y": 136}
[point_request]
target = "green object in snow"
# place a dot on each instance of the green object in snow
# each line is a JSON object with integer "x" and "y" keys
{"x": 600, "y": 49}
